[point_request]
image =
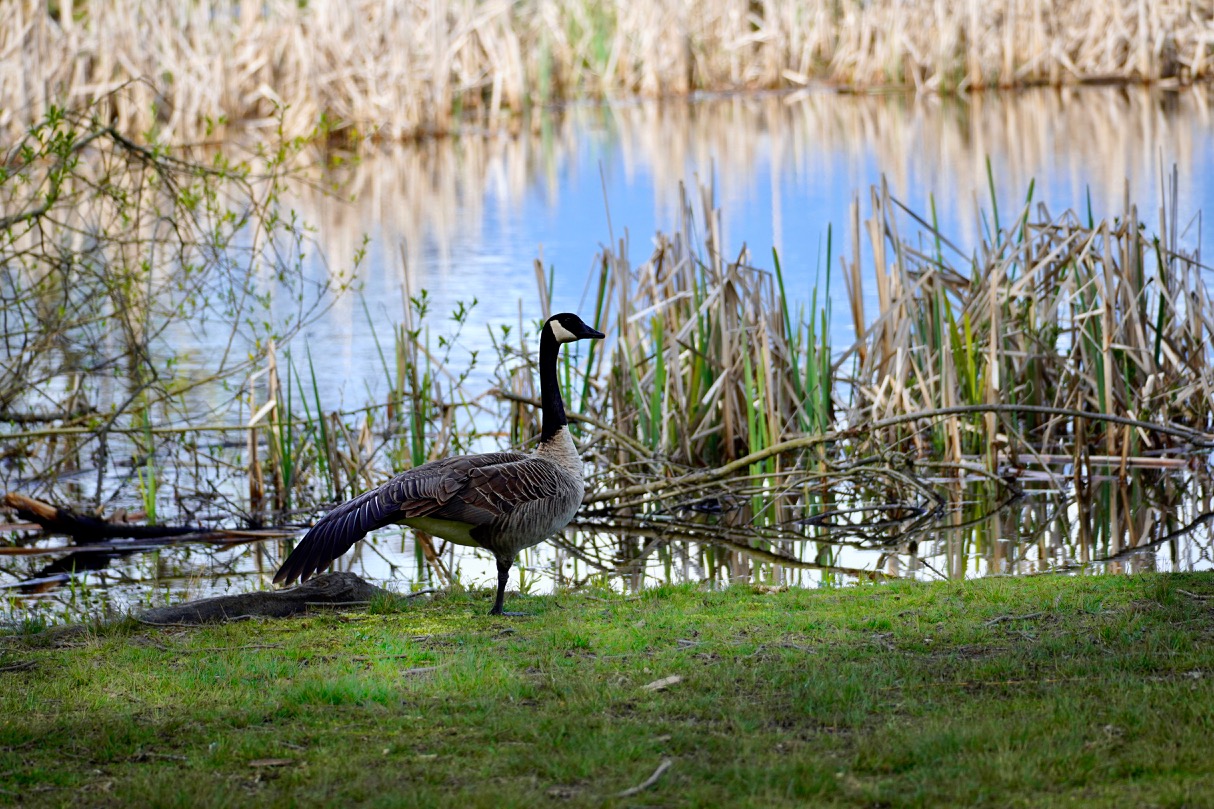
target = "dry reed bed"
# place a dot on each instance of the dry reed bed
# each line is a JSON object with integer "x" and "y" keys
{"x": 399, "y": 69}
{"x": 1048, "y": 312}
{"x": 1051, "y": 312}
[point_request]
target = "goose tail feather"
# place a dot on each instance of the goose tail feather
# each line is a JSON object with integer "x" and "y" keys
{"x": 334, "y": 534}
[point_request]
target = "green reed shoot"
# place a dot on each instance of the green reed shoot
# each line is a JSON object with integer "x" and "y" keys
{"x": 324, "y": 455}
{"x": 600, "y": 302}
{"x": 657, "y": 387}
{"x": 282, "y": 438}
{"x": 146, "y": 475}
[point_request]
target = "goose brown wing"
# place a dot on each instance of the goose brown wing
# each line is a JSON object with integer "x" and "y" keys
{"x": 500, "y": 489}
{"x": 438, "y": 488}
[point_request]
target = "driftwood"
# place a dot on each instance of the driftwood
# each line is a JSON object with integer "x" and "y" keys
{"x": 82, "y": 527}
{"x": 328, "y": 589}
{"x": 119, "y": 546}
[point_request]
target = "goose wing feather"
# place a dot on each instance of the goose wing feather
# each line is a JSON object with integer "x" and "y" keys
{"x": 474, "y": 489}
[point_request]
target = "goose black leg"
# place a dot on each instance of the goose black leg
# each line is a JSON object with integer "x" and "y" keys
{"x": 503, "y": 575}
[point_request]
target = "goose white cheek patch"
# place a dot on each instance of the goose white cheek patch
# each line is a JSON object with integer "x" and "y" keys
{"x": 562, "y": 334}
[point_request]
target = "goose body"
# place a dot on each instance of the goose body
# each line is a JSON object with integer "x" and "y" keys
{"x": 503, "y": 502}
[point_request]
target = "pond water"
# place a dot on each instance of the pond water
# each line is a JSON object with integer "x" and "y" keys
{"x": 468, "y": 218}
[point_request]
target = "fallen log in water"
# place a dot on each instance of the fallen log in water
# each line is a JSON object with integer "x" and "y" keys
{"x": 223, "y": 538}
{"x": 328, "y": 589}
{"x": 79, "y": 527}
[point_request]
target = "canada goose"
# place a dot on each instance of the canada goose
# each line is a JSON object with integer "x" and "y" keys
{"x": 500, "y": 501}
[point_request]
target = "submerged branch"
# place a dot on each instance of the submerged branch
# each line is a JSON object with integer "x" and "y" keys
{"x": 1196, "y": 439}
{"x": 225, "y": 538}
{"x": 79, "y": 527}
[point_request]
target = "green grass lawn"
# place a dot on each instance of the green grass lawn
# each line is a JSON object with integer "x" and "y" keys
{"x": 1090, "y": 691}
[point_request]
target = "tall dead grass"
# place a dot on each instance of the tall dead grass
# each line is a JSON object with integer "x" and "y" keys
{"x": 400, "y": 68}
{"x": 1051, "y": 312}
{"x": 1059, "y": 333}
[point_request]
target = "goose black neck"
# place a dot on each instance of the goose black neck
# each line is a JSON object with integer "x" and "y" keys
{"x": 550, "y": 389}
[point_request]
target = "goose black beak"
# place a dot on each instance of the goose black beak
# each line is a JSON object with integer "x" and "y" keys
{"x": 590, "y": 334}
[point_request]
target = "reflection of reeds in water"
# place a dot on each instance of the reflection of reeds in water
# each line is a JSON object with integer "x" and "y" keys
{"x": 435, "y": 196}
{"x": 1150, "y": 522}
{"x": 403, "y": 68}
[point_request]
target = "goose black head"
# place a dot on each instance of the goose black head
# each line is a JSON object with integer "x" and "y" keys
{"x": 568, "y": 327}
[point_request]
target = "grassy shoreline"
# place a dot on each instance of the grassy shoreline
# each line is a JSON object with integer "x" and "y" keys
{"x": 1048, "y": 691}
{"x": 401, "y": 70}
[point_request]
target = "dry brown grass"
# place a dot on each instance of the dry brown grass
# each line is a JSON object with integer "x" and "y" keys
{"x": 399, "y": 69}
